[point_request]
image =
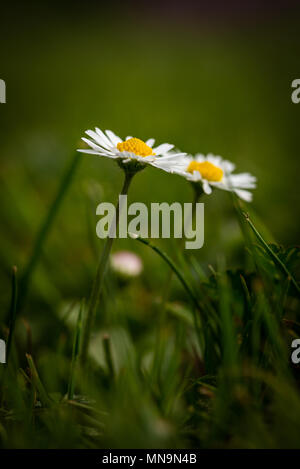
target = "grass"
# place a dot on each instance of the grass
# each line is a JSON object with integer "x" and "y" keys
{"x": 196, "y": 359}
{"x": 224, "y": 379}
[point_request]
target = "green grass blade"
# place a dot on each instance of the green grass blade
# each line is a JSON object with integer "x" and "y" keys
{"x": 75, "y": 352}
{"x": 229, "y": 335}
{"x": 12, "y": 312}
{"x": 43, "y": 395}
{"x": 171, "y": 264}
{"x": 183, "y": 281}
{"x": 108, "y": 355}
{"x": 273, "y": 255}
{"x": 46, "y": 226}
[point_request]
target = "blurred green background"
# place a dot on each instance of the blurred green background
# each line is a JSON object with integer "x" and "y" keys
{"x": 208, "y": 80}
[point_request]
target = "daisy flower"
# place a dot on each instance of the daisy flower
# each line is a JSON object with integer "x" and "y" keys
{"x": 132, "y": 152}
{"x": 132, "y": 155}
{"x": 126, "y": 264}
{"x": 212, "y": 171}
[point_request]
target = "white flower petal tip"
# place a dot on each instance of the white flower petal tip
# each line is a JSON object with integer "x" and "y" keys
{"x": 212, "y": 171}
{"x": 132, "y": 150}
{"x": 244, "y": 195}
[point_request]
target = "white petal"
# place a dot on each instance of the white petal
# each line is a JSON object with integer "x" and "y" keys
{"x": 105, "y": 140}
{"x": 245, "y": 195}
{"x": 150, "y": 142}
{"x": 243, "y": 181}
{"x": 216, "y": 160}
{"x": 198, "y": 157}
{"x": 89, "y": 152}
{"x": 167, "y": 169}
{"x": 195, "y": 176}
{"x": 227, "y": 166}
{"x": 92, "y": 144}
{"x": 94, "y": 152}
{"x": 96, "y": 147}
{"x": 98, "y": 139}
{"x": 175, "y": 160}
{"x": 113, "y": 137}
{"x": 163, "y": 148}
{"x": 206, "y": 187}
{"x": 147, "y": 159}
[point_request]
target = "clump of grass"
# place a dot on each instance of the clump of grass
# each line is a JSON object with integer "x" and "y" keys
{"x": 220, "y": 374}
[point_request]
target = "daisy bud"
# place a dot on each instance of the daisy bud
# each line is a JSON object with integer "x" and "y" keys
{"x": 126, "y": 264}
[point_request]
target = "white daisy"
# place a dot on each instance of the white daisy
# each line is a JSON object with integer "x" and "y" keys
{"x": 132, "y": 150}
{"x": 213, "y": 171}
{"x": 126, "y": 264}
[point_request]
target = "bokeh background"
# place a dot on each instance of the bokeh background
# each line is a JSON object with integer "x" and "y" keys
{"x": 207, "y": 76}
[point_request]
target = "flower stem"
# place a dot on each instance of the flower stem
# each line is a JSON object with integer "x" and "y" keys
{"x": 197, "y": 194}
{"x": 100, "y": 274}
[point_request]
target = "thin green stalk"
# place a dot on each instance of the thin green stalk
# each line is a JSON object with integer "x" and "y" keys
{"x": 229, "y": 335}
{"x": 13, "y": 312}
{"x": 175, "y": 269}
{"x": 166, "y": 290}
{"x": 75, "y": 352}
{"x": 46, "y": 226}
{"x": 100, "y": 274}
{"x": 272, "y": 254}
{"x": 37, "y": 384}
{"x": 197, "y": 192}
{"x": 108, "y": 354}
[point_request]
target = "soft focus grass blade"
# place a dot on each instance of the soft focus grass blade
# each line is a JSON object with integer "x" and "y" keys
{"x": 75, "y": 352}
{"x": 183, "y": 281}
{"x": 13, "y": 312}
{"x": 273, "y": 255}
{"x": 46, "y": 226}
{"x": 175, "y": 269}
{"x": 43, "y": 395}
{"x": 108, "y": 355}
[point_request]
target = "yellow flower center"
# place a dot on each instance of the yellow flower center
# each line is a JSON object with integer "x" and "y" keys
{"x": 208, "y": 171}
{"x": 136, "y": 146}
